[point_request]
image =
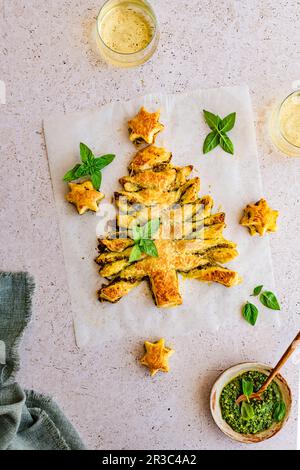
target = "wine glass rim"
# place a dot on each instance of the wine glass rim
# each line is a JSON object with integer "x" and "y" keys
{"x": 278, "y": 118}
{"x": 129, "y": 54}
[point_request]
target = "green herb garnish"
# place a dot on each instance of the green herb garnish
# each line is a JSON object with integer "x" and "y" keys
{"x": 279, "y": 411}
{"x": 211, "y": 141}
{"x": 250, "y": 313}
{"x": 142, "y": 240}
{"x": 256, "y": 291}
{"x": 268, "y": 299}
{"x": 247, "y": 411}
{"x": 90, "y": 166}
{"x": 247, "y": 387}
{"x": 219, "y": 129}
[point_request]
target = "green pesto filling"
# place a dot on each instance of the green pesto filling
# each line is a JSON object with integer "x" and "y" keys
{"x": 263, "y": 410}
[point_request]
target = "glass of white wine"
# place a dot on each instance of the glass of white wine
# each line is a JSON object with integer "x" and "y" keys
{"x": 127, "y": 32}
{"x": 285, "y": 125}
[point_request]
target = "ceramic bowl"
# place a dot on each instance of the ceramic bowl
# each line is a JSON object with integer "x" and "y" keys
{"x": 223, "y": 380}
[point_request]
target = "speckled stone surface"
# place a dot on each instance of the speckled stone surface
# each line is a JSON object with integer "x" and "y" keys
{"x": 49, "y": 65}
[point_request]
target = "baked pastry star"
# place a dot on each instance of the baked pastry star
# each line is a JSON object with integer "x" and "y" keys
{"x": 144, "y": 127}
{"x": 156, "y": 357}
{"x": 259, "y": 218}
{"x": 84, "y": 196}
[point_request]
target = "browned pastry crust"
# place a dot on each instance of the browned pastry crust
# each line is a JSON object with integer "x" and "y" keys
{"x": 149, "y": 158}
{"x": 259, "y": 218}
{"x": 194, "y": 245}
{"x": 156, "y": 356}
{"x": 144, "y": 127}
{"x": 158, "y": 180}
{"x": 84, "y": 196}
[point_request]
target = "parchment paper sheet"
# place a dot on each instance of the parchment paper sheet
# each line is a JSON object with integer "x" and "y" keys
{"x": 232, "y": 181}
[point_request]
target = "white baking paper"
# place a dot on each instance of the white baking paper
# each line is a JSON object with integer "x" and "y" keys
{"x": 232, "y": 181}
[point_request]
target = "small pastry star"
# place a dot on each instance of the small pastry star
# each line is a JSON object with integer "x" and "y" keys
{"x": 84, "y": 196}
{"x": 144, "y": 127}
{"x": 259, "y": 218}
{"x": 156, "y": 357}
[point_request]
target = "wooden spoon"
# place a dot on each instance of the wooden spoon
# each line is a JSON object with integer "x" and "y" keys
{"x": 292, "y": 347}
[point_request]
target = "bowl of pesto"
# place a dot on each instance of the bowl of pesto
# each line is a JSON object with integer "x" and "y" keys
{"x": 253, "y": 420}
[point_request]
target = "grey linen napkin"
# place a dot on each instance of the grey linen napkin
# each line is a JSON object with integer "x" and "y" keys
{"x": 28, "y": 420}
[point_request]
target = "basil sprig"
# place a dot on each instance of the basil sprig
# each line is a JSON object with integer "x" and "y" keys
{"x": 247, "y": 411}
{"x": 219, "y": 128}
{"x": 142, "y": 240}
{"x": 279, "y": 411}
{"x": 250, "y": 313}
{"x": 247, "y": 388}
{"x": 256, "y": 291}
{"x": 90, "y": 166}
{"x": 268, "y": 299}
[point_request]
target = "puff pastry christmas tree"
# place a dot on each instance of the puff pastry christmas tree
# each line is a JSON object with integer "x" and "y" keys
{"x": 189, "y": 240}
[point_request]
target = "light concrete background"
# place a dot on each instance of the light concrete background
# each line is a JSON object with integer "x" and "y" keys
{"x": 48, "y": 64}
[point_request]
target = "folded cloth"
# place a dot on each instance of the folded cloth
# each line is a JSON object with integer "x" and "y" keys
{"x": 28, "y": 420}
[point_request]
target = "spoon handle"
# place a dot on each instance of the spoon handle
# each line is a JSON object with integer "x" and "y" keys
{"x": 294, "y": 344}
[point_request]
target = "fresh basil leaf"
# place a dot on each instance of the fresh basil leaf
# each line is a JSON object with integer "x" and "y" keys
{"x": 211, "y": 141}
{"x": 86, "y": 153}
{"x": 148, "y": 246}
{"x": 150, "y": 228}
{"x": 247, "y": 411}
{"x": 247, "y": 387}
{"x": 268, "y": 299}
{"x": 279, "y": 411}
{"x": 136, "y": 232}
{"x": 101, "y": 162}
{"x": 250, "y": 313}
{"x": 219, "y": 126}
{"x": 227, "y": 123}
{"x": 212, "y": 120}
{"x": 135, "y": 253}
{"x": 257, "y": 290}
{"x": 91, "y": 166}
{"x": 226, "y": 144}
{"x": 83, "y": 170}
{"x": 71, "y": 174}
{"x": 96, "y": 179}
